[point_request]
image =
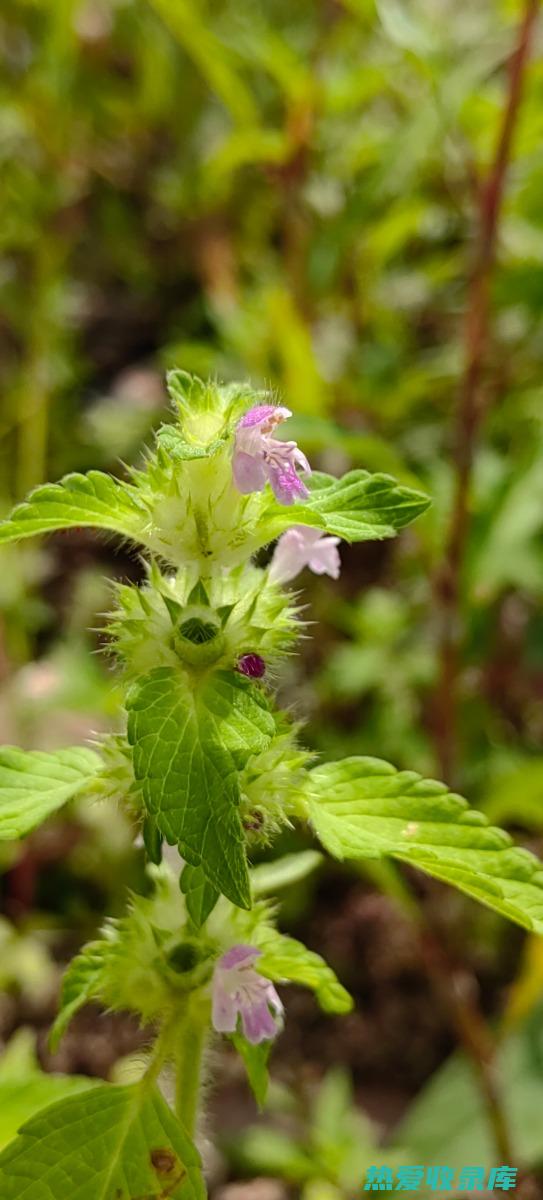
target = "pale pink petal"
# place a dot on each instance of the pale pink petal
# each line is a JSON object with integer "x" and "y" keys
{"x": 324, "y": 558}
{"x": 259, "y": 457}
{"x": 289, "y": 557}
{"x": 302, "y": 547}
{"x": 249, "y": 473}
{"x": 240, "y": 992}
{"x": 286, "y": 484}
{"x": 238, "y": 956}
{"x": 267, "y": 415}
{"x": 224, "y": 1009}
{"x": 257, "y": 1023}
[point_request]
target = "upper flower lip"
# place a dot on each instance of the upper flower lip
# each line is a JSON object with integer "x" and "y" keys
{"x": 260, "y": 458}
{"x": 265, "y": 415}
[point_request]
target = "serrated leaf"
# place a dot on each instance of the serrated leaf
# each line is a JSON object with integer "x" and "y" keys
{"x": 25, "y": 1088}
{"x": 80, "y": 984}
{"x": 256, "y": 1065}
{"x": 93, "y": 500}
{"x": 283, "y": 958}
{"x": 200, "y": 896}
{"x": 364, "y": 808}
{"x": 34, "y": 784}
{"x": 358, "y": 507}
{"x": 111, "y": 1143}
{"x": 189, "y": 746}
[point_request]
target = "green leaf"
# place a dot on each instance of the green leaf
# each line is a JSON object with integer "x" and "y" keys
{"x": 95, "y": 500}
{"x": 34, "y": 784}
{"x": 268, "y": 878}
{"x": 189, "y": 747}
{"x": 111, "y": 1143}
{"x": 359, "y": 507}
{"x": 364, "y": 808}
{"x": 448, "y": 1121}
{"x": 25, "y": 1088}
{"x": 283, "y": 958}
{"x": 200, "y": 896}
{"x": 80, "y": 984}
{"x": 256, "y": 1065}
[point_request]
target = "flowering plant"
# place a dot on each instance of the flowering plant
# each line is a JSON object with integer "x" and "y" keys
{"x": 211, "y": 769}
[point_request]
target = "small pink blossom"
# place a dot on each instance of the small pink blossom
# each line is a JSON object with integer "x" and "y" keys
{"x": 259, "y": 458}
{"x": 239, "y": 991}
{"x": 302, "y": 547}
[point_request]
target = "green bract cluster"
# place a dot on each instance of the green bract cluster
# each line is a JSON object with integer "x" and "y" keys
{"x": 209, "y": 766}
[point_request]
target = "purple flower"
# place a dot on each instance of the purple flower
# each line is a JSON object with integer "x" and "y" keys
{"x": 252, "y": 665}
{"x": 239, "y": 991}
{"x": 260, "y": 458}
{"x": 303, "y": 547}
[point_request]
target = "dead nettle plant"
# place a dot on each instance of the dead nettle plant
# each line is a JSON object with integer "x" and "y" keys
{"x": 208, "y": 764}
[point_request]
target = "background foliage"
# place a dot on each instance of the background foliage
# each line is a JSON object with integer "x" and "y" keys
{"x": 287, "y": 193}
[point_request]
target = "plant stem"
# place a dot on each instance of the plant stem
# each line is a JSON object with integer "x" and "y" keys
{"x": 454, "y": 988}
{"x": 472, "y": 406}
{"x": 189, "y": 1050}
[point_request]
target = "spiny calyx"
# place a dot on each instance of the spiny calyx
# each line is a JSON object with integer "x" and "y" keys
{"x": 171, "y": 621}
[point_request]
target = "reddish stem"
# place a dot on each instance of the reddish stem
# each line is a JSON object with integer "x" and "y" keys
{"x": 472, "y": 406}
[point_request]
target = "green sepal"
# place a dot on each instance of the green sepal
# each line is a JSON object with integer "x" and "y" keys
{"x": 200, "y": 895}
{"x": 256, "y": 1065}
{"x": 152, "y": 840}
{"x": 80, "y": 984}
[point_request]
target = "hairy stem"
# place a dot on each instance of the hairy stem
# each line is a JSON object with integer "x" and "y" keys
{"x": 190, "y": 1045}
{"x": 472, "y": 406}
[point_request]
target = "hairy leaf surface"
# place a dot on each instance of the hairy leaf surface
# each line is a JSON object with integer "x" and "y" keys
{"x": 189, "y": 747}
{"x": 34, "y": 784}
{"x": 110, "y": 1143}
{"x": 95, "y": 500}
{"x": 359, "y": 507}
{"x": 364, "y": 808}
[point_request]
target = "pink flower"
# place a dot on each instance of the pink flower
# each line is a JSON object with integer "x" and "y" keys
{"x": 303, "y": 547}
{"x": 260, "y": 458}
{"x": 239, "y": 991}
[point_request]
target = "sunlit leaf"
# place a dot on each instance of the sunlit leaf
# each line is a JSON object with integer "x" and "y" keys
{"x": 364, "y": 808}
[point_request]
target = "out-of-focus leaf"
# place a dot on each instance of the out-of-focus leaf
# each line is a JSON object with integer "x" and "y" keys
{"x": 25, "y": 1088}
{"x": 447, "y": 1122}
{"x": 268, "y": 878}
{"x": 34, "y": 784}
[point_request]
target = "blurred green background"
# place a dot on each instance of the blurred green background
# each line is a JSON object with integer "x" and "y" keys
{"x": 286, "y": 192}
